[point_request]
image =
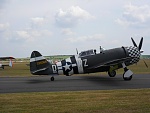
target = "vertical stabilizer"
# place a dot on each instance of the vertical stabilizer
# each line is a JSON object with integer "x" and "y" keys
{"x": 39, "y": 65}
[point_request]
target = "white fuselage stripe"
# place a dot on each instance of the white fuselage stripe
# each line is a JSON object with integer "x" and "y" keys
{"x": 79, "y": 64}
{"x": 37, "y": 59}
{"x": 59, "y": 67}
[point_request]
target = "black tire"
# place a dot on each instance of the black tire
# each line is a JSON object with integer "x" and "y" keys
{"x": 127, "y": 78}
{"x": 67, "y": 74}
{"x": 112, "y": 73}
{"x": 52, "y": 78}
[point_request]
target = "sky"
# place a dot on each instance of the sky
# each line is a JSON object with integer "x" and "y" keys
{"x": 56, "y": 27}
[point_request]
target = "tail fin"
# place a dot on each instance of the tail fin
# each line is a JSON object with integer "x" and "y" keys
{"x": 39, "y": 65}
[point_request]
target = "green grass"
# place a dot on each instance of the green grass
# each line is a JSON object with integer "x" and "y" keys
{"x": 112, "y": 101}
{"x": 18, "y": 69}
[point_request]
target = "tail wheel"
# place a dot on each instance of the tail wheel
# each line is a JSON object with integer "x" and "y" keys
{"x": 52, "y": 78}
{"x": 112, "y": 73}
{"x": 67, "y": 74}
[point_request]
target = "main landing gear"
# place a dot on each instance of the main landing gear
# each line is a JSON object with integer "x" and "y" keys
{"x": 112, "y": 73}
{"x": 127, "y": 73}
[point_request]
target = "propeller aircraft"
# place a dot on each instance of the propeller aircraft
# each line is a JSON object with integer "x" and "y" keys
{"x": 90, "y": 62}
{"x": 10, "y": 62}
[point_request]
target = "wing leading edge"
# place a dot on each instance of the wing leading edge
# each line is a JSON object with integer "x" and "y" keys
{"x": 3, "y": 58}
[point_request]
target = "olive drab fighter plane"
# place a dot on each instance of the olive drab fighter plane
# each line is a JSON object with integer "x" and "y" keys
{"x": 89, "y": 62}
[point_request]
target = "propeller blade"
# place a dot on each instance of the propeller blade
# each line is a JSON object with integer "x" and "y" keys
{"x": 140, "y": 44}
{"x": 145, "y": 63}
{"x": 77, "y": 51}
{"x": 133, "y": 42}
{"x": 141, "y": 51}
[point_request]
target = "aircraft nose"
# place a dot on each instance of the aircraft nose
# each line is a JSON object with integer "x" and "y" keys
{"x": 134, "y": 53}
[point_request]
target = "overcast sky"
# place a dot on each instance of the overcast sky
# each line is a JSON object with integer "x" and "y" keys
{"x": 60, "y": 26}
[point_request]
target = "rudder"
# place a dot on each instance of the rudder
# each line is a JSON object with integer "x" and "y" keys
{"x": 39, "y": 65}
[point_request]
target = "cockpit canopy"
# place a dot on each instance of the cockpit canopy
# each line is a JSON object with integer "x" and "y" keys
{"x": 87, "y": 53}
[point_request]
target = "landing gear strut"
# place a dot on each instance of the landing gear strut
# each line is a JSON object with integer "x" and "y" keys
{"x": 127, "y": 73}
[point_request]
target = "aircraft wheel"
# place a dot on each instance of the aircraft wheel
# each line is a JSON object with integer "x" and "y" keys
{"x": 127, "y": 78}
{"x": 112, "y": 73}
{"x": 66, "y": 73}
{"x": 52, "y": 78}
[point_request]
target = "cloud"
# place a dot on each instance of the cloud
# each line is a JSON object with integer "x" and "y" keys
{"x": 32, "y": 35}
{"x": 4, "y": 27}
{"x": 67, "y": 31}
{"x": 23, "y": 35}
{"x": 2, "y": 3}
{"x": 72, "y": 16}
{"x": 94, "y": 37}
{"x": 38, "y": 21}
{"x": 138, "y": 16}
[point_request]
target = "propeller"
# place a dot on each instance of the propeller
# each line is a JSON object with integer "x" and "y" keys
{"x": 139, "y": 48}
{"x": 140, "y": 44}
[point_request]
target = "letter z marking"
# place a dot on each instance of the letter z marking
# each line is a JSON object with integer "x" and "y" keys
{"x": 85, "y": 62}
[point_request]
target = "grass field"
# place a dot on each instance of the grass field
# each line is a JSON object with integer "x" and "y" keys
{"x": 18, "y": 69}
{"x": 124, "y": 101}
{"x": 112, "y": 101}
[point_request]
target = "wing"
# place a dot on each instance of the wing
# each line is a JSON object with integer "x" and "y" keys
{"x": 3, "y": 58}
{"x": 4, "y": 65}
{"x": 111, "y": 63}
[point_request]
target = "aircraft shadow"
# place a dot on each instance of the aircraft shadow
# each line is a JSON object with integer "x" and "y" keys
{"x": 105, "y": 80}
{"x": 36, "y": 81}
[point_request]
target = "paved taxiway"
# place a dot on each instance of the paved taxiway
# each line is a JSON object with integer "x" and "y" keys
{"x": 71, "y": 83}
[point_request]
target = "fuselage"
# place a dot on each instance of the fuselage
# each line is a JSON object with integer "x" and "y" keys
{"x": 98, "y": 62}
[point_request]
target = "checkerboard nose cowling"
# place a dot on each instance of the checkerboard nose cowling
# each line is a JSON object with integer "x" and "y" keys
{"x": 134, "y": 53}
